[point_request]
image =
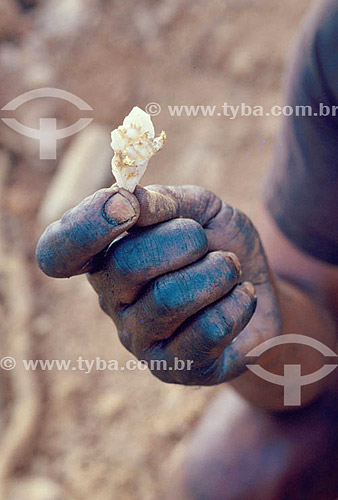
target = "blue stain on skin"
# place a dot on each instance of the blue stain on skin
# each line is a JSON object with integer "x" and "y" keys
{"x": 153, "y": 248}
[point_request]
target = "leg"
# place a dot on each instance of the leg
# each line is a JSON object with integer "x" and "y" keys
{"x": 241, "y": 453}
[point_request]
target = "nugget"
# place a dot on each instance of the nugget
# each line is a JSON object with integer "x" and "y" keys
{"x": 134, "y": 143}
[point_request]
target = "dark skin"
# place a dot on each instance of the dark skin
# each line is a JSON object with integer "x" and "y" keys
{"x": 191, "y": 280}
{"x": 239, "y": 452}
{"x": 194, "y": 270}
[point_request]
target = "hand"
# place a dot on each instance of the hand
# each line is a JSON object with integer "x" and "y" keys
{"x": 181, "y": 284}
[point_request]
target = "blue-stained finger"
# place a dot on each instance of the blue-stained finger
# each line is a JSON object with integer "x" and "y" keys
{"x": 206, "y": 336}
{"x": 69, "y": 246}
{"x": 171, "y": 299}
{"x": 146, "y": 253}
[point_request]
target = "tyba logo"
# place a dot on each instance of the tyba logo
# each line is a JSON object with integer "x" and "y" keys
{"x": 47, "y": 134}
{"x": 292, "y": 380}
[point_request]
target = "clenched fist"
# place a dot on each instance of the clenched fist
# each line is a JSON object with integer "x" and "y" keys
{"x": 179, "y": 271}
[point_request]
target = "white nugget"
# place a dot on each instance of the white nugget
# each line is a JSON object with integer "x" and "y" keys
{"x": 134, "y": 143}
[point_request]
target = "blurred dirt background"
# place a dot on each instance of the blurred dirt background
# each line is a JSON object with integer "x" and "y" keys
{"x": 67, "y": 435}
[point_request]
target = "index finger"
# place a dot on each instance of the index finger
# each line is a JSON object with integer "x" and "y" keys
{"x": 68, "y": 246}
{"x": 163, "y": 203}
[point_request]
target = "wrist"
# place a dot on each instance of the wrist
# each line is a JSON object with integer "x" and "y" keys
{"x": 300, "y": 314}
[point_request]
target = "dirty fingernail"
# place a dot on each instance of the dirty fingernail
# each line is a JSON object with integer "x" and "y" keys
{"x": 235, "y": 260}
{"x": 249, "y": 286}
{"x": 118, "y": 209}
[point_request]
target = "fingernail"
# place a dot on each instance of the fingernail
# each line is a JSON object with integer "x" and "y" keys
{"x": 118, "y": 209}
{"x": 249, "y": 286}
{"x": 235, "y": 260}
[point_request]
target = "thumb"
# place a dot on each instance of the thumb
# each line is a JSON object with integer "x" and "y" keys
{"x": 68, "y": 246}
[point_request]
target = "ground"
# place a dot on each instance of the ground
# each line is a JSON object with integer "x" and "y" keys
{"x": 119, "y": 435}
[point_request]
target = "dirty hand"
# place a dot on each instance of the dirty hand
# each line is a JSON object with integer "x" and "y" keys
{"x": 182, "y": 284}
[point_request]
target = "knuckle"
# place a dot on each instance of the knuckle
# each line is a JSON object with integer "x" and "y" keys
{"x": 169, "y": 295}
{"x": 162, "y": 300}
{"x": 202, "y": 203}
{"x": 187, "y": 234}
{"x": 223, "y": 268}
{"x": 237, "y": 221}
{"x": 216, "y": 326}
{"x": 210, "y": 204}
{"x": 243, "y": 227}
